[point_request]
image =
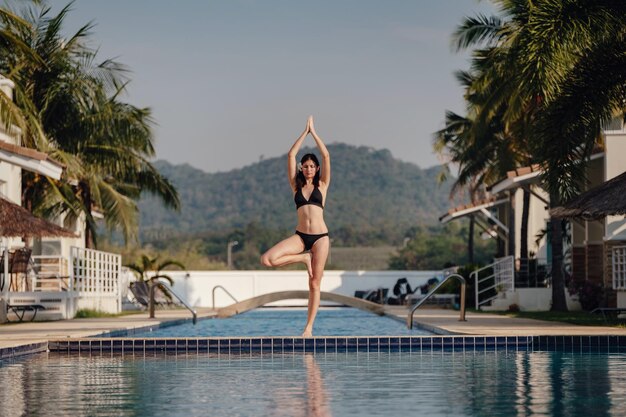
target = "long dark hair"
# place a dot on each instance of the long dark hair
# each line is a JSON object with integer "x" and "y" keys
{"x": 300, "y": 180}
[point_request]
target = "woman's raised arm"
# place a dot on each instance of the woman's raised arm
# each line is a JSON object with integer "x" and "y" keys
{"x": 325, "y": 171}
{"x": 291, "y": 157}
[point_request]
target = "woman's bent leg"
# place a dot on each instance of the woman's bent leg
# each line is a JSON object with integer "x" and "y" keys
{"x": 288, "y": 251}
{"x": 319, "y": 253}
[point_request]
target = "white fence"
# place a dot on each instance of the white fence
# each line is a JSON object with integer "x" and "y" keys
{"x": 619, "y": 267}
{"x": 89, "y": 279}
{"x": 95, "y": 277}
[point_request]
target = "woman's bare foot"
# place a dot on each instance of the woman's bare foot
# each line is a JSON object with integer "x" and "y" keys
{"x": 307, "y": 261}
{"x": 307, "y": 333}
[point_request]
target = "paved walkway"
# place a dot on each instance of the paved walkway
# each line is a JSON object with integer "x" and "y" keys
{"x": 17, "y": 334}
{"x": 447, "y": 321}
{"x": 440, "y": 321}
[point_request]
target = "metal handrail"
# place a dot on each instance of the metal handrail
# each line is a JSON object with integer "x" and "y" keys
{"x": 420, "y": 302}
{"x": 223, "y": 289}
{"x": 495, "y": 274}
{"x": 171, "y": 291}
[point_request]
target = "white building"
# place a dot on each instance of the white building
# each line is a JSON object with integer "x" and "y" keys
{"x": 62, "y": 276}
{"x": 591, "y": 250}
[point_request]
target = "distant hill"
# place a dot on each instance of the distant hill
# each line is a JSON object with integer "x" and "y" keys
{"x": 370, "y": 190}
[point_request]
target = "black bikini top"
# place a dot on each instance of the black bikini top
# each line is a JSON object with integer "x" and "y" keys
{"x": 315, "y": 198}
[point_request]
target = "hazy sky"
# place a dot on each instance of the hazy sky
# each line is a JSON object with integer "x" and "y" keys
{"x": 233, "y": 81}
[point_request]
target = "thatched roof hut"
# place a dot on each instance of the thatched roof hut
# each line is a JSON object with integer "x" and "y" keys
{"x": 16, "y": 221}
{"x": 604, "y": 200}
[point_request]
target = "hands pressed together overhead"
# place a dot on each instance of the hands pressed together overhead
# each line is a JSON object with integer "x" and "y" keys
{"x": 309, "y": 126}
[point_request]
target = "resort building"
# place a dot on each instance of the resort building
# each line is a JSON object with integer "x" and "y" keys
{"x": 594, "y": 249}
{"x": 45, "y": 269}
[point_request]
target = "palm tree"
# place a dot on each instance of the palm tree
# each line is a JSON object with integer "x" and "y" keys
{"x": 479, "y": 144}
{"x": 151, "y": 269}
{"x": 560, "y": 53}
{"x": 591, "y": 91}
{"x": 10, "y": 113}
{"x": 104, "y": 143}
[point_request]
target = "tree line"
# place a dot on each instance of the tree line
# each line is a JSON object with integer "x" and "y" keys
{"x": 427, "y": 247}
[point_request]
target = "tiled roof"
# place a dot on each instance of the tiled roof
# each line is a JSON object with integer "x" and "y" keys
{"x": 28, "y": 152}
{"x": 478, "y": 204}
{"x": 523, "y": 171}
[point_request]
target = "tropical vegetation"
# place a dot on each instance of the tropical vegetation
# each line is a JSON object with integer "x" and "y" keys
{"x": 68, "y": 104}
{"x": 437, "y": 247}
{"x": 426, "y": 247}
{"x": 545, "y": 77}
{"x": 152, "y": 268}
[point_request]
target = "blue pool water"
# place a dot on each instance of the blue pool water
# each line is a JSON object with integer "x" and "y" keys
{"x": 436, "y": 383}
{"x": 290, "y": 322}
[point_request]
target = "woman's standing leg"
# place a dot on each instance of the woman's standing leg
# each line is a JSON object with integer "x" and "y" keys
{"x": 319, "y": 253}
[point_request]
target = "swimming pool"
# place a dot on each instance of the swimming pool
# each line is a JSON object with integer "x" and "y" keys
{"x": 290, "y": 322}
{"x": 431, "y": 383}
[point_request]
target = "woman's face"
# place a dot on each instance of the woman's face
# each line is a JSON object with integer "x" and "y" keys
{"x": 309, "y": 169}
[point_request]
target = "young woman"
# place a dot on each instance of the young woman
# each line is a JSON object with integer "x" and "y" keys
{"x": 310, "y": 244}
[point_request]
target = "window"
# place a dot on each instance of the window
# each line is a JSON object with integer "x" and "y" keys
{"x": 619, "y": 267}
{"x": 3, "y": 189}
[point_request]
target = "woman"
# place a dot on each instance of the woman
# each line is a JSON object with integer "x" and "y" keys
{"x": 310, "y": 244}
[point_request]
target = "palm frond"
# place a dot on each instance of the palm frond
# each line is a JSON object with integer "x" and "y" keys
{"x": 588, "y": 99}
{"x": 476, "y": 30}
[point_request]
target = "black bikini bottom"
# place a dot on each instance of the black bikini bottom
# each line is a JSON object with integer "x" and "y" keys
{"x": 309, "y": 240}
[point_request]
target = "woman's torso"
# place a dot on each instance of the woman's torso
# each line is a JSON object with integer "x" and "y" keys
{"x": 311, "y": 212}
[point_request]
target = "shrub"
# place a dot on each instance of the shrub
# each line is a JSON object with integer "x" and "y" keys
{"x": 87, "y": 313}
{"x": 589, "y": 293}
{"x": 514, "y": 308}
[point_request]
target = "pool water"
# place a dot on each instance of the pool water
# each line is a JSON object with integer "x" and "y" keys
{"x": 436, "y": 383}
{"x": 290, "y": 322}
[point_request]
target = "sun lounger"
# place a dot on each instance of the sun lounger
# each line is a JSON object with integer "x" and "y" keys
{"x": 20, "y": 310}
{"x": 141, "y": 292}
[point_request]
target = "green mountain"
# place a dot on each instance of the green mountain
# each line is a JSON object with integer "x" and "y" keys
{"x": 370, "y": 191}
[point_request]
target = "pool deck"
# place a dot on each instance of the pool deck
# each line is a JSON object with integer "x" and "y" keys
{"x": 440, "y": 321}
{"x": 443, "y": 321}
{"x": 18, "y": 334}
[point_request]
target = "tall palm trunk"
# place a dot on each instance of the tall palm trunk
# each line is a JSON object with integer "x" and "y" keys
{"x": 558, "y": 279}
{"x": 524, "y": 227}
{"x": 511, "y": 237}
{"x": 470, "y": 241}
{"x": 87, "y": 203}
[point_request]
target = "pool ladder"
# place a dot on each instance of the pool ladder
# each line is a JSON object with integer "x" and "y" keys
{"x": 219, "y": 287}
{"x": 171, "y": 291}
{"x": 409, "y": 321}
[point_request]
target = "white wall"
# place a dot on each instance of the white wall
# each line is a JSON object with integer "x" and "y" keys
{"x": 530, "y": 299}
{"x": 615, "y": 160}
{"x": 10, "y": 175}
{"x": 197, "y": 287}
{"x": 11, "y": 181}
{"x": 54, "y": 246}
{"x": 59, "y": 305}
